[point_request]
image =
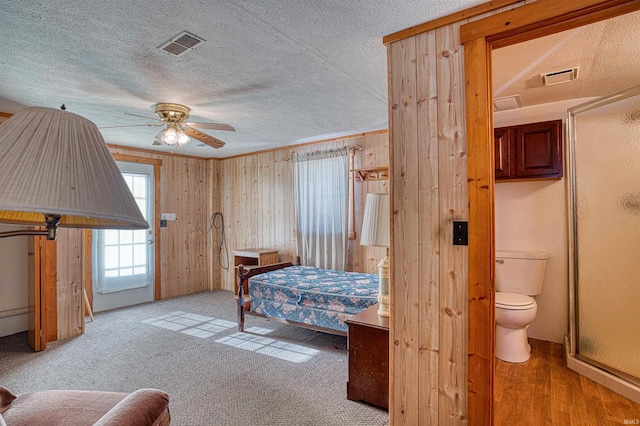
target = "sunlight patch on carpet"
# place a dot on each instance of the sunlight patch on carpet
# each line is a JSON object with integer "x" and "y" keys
{"x": 267, "y": 346}
{"x": 259, "y": 330}
{"x": 194, "y": 325}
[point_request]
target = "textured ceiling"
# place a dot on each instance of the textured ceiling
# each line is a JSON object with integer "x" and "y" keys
{"x": 607, "y": 52}
{"x": 281, "y": 72}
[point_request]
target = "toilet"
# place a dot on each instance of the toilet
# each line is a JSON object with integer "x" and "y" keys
{"x": 519, "y": 276}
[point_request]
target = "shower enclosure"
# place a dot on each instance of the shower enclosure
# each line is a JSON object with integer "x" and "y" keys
{"x": 604, "y": 202}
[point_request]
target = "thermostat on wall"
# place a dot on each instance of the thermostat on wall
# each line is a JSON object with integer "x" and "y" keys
{"x": 168, "y": 216}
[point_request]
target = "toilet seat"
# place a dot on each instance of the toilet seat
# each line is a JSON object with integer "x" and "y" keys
{"x": 514, "y": 301}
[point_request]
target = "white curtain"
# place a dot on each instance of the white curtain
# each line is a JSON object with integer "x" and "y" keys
{"x": 322, "y": 196}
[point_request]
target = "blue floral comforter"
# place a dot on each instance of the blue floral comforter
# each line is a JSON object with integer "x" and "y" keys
{"x": 315, "y": 296}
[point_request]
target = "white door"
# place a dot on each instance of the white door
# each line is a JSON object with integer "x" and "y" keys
{"x": 123, "y": 259}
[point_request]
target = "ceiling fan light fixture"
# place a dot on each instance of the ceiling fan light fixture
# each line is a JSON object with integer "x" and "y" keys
{"x": 178, "y": 132}
{"x": 183, "y": 139}
{"x": 159, "y": 137}
{"x": 172, "y": 136}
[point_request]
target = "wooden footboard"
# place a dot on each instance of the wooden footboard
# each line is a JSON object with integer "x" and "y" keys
{"x": 243, "y": 279}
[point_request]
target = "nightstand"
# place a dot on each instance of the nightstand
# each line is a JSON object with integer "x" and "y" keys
{"x": 368, "y": 341}
{"x": 251, "y": 257}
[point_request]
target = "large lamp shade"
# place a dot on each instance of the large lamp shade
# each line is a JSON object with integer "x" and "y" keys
{"x": 375, "y": 232}
{"x": 56, "y": 163}
{"x": 376, "y": 221}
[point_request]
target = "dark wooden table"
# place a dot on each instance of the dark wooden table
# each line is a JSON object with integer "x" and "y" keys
{"x": 369, "y": 358}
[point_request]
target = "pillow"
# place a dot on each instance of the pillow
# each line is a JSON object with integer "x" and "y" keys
{"x": 6, "y": 398}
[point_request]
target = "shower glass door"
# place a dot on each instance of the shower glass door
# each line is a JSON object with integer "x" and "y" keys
{"x": 605, "y": 163}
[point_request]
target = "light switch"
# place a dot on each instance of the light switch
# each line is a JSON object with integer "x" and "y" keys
{"x": 460, "y": 233}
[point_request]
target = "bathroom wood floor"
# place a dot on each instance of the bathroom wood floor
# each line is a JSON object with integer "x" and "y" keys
{"x": 543, "y": 391}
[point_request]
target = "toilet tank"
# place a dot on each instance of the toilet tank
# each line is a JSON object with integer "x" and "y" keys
{"x": 520, "y": 272}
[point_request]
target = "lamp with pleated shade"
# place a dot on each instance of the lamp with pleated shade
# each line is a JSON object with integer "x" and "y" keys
{"x": 375, "y": 232}
{"x": 56, "y": 170}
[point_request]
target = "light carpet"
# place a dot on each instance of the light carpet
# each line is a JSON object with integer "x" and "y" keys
{"x": 276, "y": 374}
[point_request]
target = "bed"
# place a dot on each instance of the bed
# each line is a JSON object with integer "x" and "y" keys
{"x": 305, "y": 296}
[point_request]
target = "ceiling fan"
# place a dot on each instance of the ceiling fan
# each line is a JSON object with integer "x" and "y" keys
{"x": 177, "y": 131}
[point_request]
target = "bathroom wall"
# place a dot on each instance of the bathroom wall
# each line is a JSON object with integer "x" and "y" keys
{"x": 532, "y": 215}
{"x": 13, "y": 283}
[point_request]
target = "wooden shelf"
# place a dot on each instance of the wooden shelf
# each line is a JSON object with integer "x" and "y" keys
{"x": 372, "y": 173}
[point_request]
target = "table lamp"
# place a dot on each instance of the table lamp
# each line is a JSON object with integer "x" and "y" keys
{"x": 375, "y": 232}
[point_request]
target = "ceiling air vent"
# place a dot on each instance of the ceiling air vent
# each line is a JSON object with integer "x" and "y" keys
{"x": 508, "y": 102}
{"x": 558, "y": 77}
{"x": 181, "y": 44}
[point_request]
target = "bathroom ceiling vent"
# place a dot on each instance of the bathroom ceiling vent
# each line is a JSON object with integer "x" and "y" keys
{"x": 506, "y": 103}
{"x": 557, "y": 77}
{"x": 181, "y": 44}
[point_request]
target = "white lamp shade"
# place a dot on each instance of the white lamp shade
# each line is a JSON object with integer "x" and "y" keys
{"x": 53, "y": 162}
{"x": 376, "y": 222}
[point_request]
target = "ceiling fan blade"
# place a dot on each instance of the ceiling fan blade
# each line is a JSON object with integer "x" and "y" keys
{"x": 212, "y": 126}
{"x": 143, "y": 116}
{"x": 132, "y": 125}
{"x": 203, "y": 137}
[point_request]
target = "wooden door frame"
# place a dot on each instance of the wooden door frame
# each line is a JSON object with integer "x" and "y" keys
{"x": 87, "y": 273}
{"x": 42, "y": 293}
{"x": 479, "y": 38}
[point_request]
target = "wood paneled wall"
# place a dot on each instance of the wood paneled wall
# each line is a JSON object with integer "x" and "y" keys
{"x": 258, "y": 200}
{"x": 185, "y": 257}
{"x": 429, "y": 290}
{"x": 69, "y": 283}
{"x": 255, "y": 195}
{"x": 185, "y": 191}
{"x": 429, "y": 192}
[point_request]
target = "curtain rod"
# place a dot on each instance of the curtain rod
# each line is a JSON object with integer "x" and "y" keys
{"x": 351, "y": 148}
